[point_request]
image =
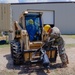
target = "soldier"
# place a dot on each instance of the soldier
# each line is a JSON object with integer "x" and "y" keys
{"x": 54, "y": 33}
{"x": 31, "y": 29}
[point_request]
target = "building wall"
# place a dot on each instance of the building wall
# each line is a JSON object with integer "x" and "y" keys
{"x": 64, "y": 13}
{"x": 5, "y": 17}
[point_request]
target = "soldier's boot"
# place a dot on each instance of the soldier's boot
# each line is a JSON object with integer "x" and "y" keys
{"x": 48, "y": 70}
{"x": 64, "y": 65}
{"x": 67, "y": 59}
{"x": 64, "y": 59}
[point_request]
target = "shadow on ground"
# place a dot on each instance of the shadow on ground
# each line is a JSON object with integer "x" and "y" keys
{"x": 27, "y": 69}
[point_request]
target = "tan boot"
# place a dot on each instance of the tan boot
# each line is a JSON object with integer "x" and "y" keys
{"x": 67, "y": 59}
{"x": 48, "y": 71}
{"x": 64, "y": 65}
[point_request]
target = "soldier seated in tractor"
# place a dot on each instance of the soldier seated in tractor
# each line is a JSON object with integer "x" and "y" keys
{"x": 33, "y": 30}
{"x": 54, "y": 33}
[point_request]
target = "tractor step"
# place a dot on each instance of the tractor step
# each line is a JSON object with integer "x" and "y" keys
{"x": 35, "y": 61}
{"x": 36, "y": 57}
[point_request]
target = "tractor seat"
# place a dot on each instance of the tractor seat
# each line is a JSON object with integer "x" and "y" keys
{"x": 35, "y": 45}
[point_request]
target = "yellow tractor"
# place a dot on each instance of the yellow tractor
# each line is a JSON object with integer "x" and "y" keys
{"x": 28, "y": 44}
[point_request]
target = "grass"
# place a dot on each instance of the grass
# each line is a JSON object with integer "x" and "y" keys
{"x": 69, "y": 45}
{"x": 5, "y": 45}
{"x": 72, "y": 36}
{"x": 69, "y": 36}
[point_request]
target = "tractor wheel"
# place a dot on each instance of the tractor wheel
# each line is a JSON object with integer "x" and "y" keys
{"x": 16, "y": 52}
{"x": 11, "y": 47}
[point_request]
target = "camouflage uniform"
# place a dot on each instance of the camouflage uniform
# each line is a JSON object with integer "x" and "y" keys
{"x": 59, "y": 42}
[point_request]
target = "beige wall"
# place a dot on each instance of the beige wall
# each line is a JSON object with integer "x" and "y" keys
{"x": 5, "y": 17}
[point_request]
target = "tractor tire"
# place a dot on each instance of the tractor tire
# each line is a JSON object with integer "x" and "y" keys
{"x": 16, "y": 52}
{"x": 11, "y": 47}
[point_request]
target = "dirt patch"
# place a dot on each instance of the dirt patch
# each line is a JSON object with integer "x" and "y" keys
{"x": 7, "y": 67}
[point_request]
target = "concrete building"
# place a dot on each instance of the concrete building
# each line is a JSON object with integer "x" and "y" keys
{"x": 64, "y": 13}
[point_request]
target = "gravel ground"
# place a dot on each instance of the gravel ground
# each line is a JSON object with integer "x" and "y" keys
{"x": 7, "y": 67}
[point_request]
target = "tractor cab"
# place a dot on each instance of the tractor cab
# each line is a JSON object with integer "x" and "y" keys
{"x": 33, "y": 26}
{"x": 32, "y": 23}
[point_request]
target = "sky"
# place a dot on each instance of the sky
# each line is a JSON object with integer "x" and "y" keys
{"x": 19, "y": 1}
